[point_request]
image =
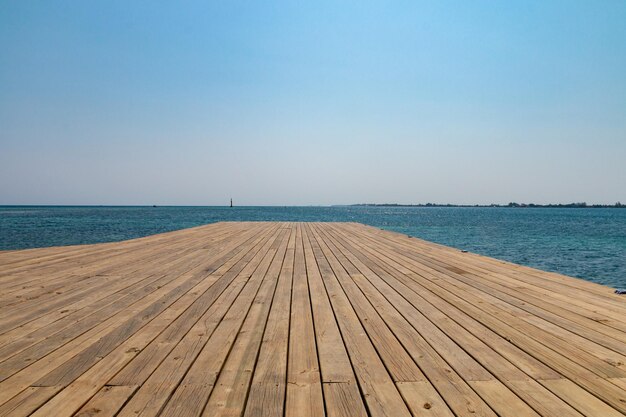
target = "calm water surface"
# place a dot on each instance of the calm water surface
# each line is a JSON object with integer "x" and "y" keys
{"x": 586, "y": 243}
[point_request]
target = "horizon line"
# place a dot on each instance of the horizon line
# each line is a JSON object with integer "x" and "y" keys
{"x": 429, "y": 204}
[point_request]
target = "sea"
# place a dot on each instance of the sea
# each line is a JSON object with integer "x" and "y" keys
{"x": 588, "y": 243}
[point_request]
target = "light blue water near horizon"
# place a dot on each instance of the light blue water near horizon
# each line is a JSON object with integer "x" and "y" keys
{"x": 585, "y": 243}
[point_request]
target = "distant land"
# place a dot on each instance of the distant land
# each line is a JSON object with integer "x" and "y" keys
{"x": 510, "y": 205}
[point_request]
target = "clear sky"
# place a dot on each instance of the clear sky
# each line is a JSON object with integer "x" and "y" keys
{"x": 296, "y": 103}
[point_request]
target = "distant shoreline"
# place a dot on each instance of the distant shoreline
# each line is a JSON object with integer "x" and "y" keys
{"x": 510, "y": 205}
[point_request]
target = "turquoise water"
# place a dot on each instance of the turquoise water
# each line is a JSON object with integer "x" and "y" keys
{"x": 586, "y": 243}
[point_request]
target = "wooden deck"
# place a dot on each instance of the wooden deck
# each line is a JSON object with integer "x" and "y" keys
{"x": 301, "y": 319}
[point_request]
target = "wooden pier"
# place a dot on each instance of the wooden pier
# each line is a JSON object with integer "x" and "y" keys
{"x": 301, "y": 319}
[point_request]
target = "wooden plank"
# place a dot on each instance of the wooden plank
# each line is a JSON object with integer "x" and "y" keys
{"x": 68, "y": 278}
{"x": 153, "y": 393}
{"x": 423, "y": 400}
{"x": 240, "y": 267}
{"x": 341, "y": 392}
{"x": 107, "y": 402}
{"x": 397, "y": 361}
{"x": 535, "y": 395}
{"x": 295, "y": 319}
{"x": 90, "y": 382}
{"x": 39, "y": 368}
{"x": 304, "y": 385}
{"x": 522, "y": 272}
{"x": 493, "y": 319}
{"x": 191, "y": 395}
{"x": 571, "y": 298}
{"x": 98, "y": 263}
{"x": 228, "y": 397}
{"x": 502, "y": 399}
{"x": 581, "y": 399}
{"x": 23, "y": 314}
{"x": 455, "y": 391}
{"x": 28, "y": 400}
{"x": 584, "y": 322}
{"x": 381, "y": 394}
{"x": 267, "y": 392}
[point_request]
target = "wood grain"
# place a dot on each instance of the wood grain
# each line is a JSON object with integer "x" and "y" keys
{"x": 301, "y": 319}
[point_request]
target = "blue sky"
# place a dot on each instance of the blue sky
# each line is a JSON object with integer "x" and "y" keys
{"x": 285, "y": 103}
